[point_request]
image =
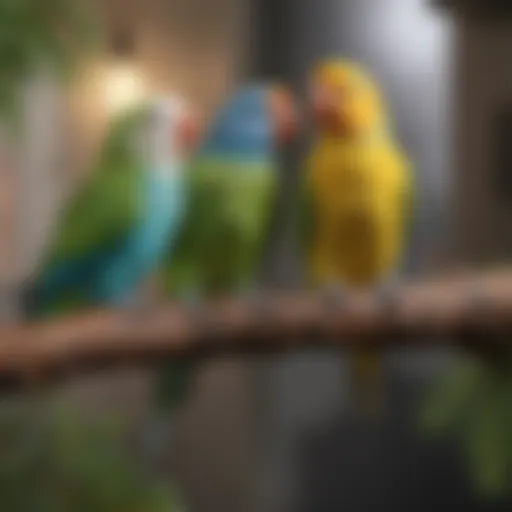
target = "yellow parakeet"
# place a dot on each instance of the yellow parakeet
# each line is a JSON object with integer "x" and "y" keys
{"x": 358, "y": 190}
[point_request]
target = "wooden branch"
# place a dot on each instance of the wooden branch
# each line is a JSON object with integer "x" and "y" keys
{"x": 427, "y": 312}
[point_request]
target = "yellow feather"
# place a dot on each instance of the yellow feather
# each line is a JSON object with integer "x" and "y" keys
{"x": 360, "y": 196}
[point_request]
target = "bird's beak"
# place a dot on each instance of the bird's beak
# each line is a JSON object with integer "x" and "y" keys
{"x": 189, "y": 132}
{"x": 284, "y": 113}
{"x": 328, "y": 110}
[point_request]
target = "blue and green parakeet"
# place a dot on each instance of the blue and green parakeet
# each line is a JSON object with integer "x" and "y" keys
{"x": 232, "y": 187}
{"x": 119, "y": 224}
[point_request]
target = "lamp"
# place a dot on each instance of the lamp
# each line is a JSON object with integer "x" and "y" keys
{"x": 124, "y": 82}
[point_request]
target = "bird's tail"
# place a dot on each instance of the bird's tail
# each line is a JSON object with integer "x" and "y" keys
{"x": 368, "y": 381}
{"x": 174, "y": 383}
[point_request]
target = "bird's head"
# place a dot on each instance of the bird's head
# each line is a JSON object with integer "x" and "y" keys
{"x": 345, "y": 100}
{"x": 256, "y": 120}
{"x": 283, "y": 113}
{"x": 170, "y": 131}
{"x": 163, "y": 131}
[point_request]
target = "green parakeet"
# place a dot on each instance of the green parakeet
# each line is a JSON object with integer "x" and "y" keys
{"x": 232, "y": 187}
{"x": 115, "y": 230}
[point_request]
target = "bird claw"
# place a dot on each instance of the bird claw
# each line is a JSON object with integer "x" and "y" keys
{"x": 195, "y": 308}
{"x": 335, "y": 295}
{"x": 388, "y": 295}
{"x": 478, "y": 301}
{"x": 139, "y": 308}
{"x": 259, "y": 300}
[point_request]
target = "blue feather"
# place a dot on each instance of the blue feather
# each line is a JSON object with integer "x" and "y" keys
{"x": 243, "y": 129}
{"x": 110, "y": 274}
{"x": 156, "y": 231}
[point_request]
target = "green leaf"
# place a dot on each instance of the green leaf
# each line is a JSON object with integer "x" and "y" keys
{"x": 473, "y": 402}
{"x": 55, "y": 460}
{"x": 58, "y": 33}
{"x": 448, "y": 404}
{"x": 486, "y": 436}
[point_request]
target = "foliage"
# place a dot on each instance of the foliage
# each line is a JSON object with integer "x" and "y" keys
{"x": 52, "y": 460}
{"x": 32, "y": 32}
{"x": 472, "y": 403}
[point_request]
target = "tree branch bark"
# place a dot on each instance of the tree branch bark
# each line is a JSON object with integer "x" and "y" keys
{"x": 449, "y": 309}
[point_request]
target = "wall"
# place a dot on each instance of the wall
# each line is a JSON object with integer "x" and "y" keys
{"x": 484, "y": 85}
{"x": 190, "y": 47}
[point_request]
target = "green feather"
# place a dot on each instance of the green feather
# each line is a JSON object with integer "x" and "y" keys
{"x": 102, "y": 212}
{"x": 221, "y": 244}
{"x": 224, "y": 232}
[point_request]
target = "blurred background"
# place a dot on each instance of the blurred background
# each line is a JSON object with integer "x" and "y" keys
{"x": 274, "y": 434}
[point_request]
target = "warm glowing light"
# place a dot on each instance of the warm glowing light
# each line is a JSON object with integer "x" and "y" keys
{"x": 124, "y": 87}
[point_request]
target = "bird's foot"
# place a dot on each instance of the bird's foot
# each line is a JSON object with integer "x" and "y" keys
{"x": 335, "y": 295}
{"x": 193, "y": 304}
{"x": 139, "y": 308}
{"x": 199, "y": 314}
{"x": 195, "y": 307}
{"x": 479, "y": 302}
{"x": 388, "y": 294}
{"x": 259, "y": 299}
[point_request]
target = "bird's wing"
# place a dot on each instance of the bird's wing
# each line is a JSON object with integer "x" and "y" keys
{"x": 96, "y": 221}
{"x": 101, "y": 213}
{"x": 179, "y": 270}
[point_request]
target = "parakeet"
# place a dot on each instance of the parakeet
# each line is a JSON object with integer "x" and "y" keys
{"x": 118, "y": 225}
{"x": 232, "y": 186}
{"x": 357, "y": 192}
